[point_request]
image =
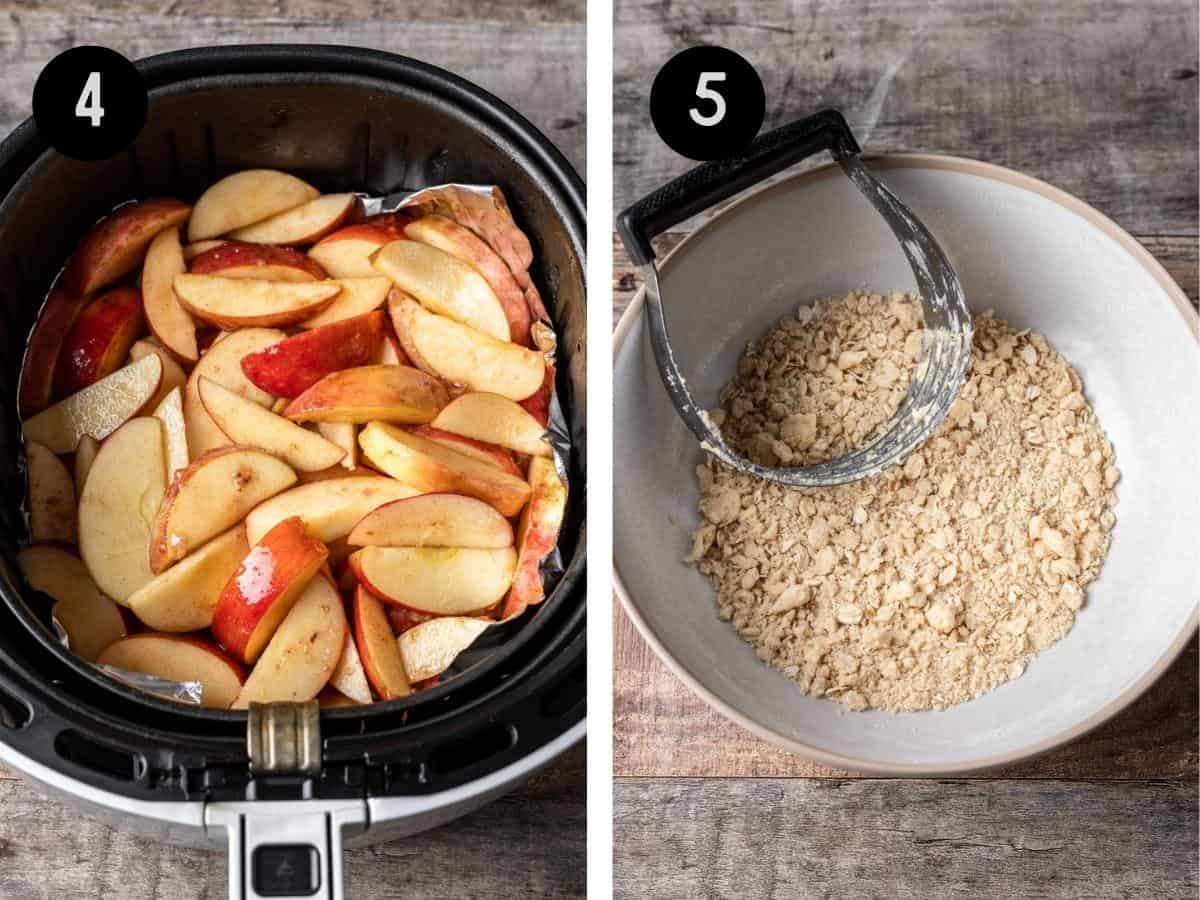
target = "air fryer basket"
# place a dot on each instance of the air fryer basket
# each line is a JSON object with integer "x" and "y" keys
{"x": 343, "y": 119}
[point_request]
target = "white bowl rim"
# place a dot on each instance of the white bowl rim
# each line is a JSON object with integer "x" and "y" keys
{"x": 1154, "y": 268}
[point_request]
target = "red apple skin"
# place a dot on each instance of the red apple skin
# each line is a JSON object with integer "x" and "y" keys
{"x": 292, "y": 366}
{"x": 240, "y": 255}
{"x": 498, "y": 456}
{"x": 366, "y": 607}
{"x": 260, "y": 592}
{"x": 403, "y": 618}
{"x": 389, "y": 335}
{"x": 537, "y": 535}
{"x": 99, "y": 341}
{"x": 382, "y": 228}
{"x": 538, "y": 405}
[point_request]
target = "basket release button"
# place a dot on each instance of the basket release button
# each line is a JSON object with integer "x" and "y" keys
{"x": 286, "y": 870}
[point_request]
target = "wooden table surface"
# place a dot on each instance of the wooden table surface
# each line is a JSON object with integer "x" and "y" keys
{"x": 1098, "y": 98}
{"x": 530, "y": 844}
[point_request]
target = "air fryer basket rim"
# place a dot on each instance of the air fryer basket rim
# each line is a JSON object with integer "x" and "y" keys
{"x": 249, "y": 65}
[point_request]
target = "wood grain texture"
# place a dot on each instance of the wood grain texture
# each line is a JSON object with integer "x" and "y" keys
{"x": 904, "y": 840}
{"x": 1098, "y": 98}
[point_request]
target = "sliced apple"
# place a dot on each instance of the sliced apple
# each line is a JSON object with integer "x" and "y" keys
{"x": 330, "y": 508}
{"x": 91, "y": 620}
{"x": 184, "y": 597}
{"x": 99, "y": 409}
{"x": 85, "y": 455}
{"x": 51, "y": 496}
{"x": 494, "y": 420}
{"x": 173, "y": 375}
{"x": 304, "y": 652}
{"x": 488, "y": 453}
{"x": 349, "y": 678}
{"x": 213, "y": 493}
{"x": 244, "y": 198}
{"x": 99, "y": 341}
{"x": 429, "y": 649}
{"x": 401, "y": 617}
{"x": 248, "y": 424}
{"x": 302, "y": 225}
{"x": 333, "y": 699}
{"x": 169, "y": 321}
{"x": 537, "y": 535}
{"x": 347, "y": 252}
{"x": 434, "y": 520}
{"x": 444, "y": 284}
{"x": 377, "y": 647}
{"x": 236, "y": 259}
{"x": 258, "y": 595}
{"x": 170, "y": 413}
{"x": 357, "y": 297}
{"x": 191, "y": 251}
{"x": 335, "y": 473}
{"x": 444, "y": 581}
{"x": 223, "y": 364}
{"x": 390, "y": 352}
{"x": 434, "y": 468}
{"x": 178, "y": 658}
{"x": 465, "y": 356}
{"x": 485, "y": 213}
{"x": 244, "y": 302}
{"x": 538, "y": 404}
{"x": 387, "y": 393}
{"x": 344, "y": 436}
{"x": 117, "y": 507}
{"x": 292, "y": 366}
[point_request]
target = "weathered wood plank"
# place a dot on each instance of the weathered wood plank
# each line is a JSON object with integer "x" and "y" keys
{"x": 1097, "y": 98}
{"x": 903, "y": 840}
{"x": 538, "y": 68}
{"x": 50, "y": 852}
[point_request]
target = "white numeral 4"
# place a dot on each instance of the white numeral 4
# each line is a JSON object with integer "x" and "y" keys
{"x": 88, "y": 105}
{"x": 704, "y": 92}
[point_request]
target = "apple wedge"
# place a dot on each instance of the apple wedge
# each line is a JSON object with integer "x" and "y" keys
{"x": 390, "y": 352}
{"x": 99, "y": 409}
{"x": 266, "y": 584}
{"x": 99, "y": 341}
{"x": 210, "y": 495}
{"x": 223, "y": 364}
{"x": 91, "y": 620}
{"x": 434, "y": 468}
{"x": 248, "y": 424}
{"x": 235, "y": 259}
{"x": 463, "y": 355}
{"x": 169, "y": 321}
{"x": 494, "y": 420}
{"x": 485, "y": 214}
{"x": 344, "y": 436}
{"x": 244, "y": 198}
{"x": 537, "y": 535}
{"x": 292, "y": 366}
{"x": 330, "y": 508}
{"x": 170, "y": 413}
{"x": 444, "y": 581}
{"x": 179, "y": 658}
{"x": 538, "y": 404}
{"x": 51, "y": 496}
{"x": 349, "y": 678}
{"x": 357, "y": 297}
{"x": 126, "y": 482}
{"x": 443, "y": 284}
{"x": 304, "y": 651}
{"x": 488, "y": 453}
{"x": 387, "y": 393}
{"x": 302, "y": 225}
{"x": 429, "y": 649}
{"x": 173, "y": 375}
{"x": 434, "y": 520}
{"x": 347, "y": 252}
{"x": 244, "y": 302}
{"x": 377, "y": 647}
{"x": 85, "y": 455}
{"x": 184, "y": 597}
{"x": 191, "y": 251}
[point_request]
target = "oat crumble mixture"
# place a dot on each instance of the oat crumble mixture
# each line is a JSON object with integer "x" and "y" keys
{"x": 937, "y": 580}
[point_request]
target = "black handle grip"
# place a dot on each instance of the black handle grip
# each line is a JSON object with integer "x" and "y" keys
{"x": 710, "y": 183}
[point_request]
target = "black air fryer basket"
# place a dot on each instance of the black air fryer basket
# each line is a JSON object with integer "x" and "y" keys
{"x": 343, "y": 119}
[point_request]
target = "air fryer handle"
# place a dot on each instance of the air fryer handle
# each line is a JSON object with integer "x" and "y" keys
{"x": 710, "y": 183}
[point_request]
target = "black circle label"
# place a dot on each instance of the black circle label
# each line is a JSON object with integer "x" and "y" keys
{"x": 707, "y": 103}
{"x": 90, "y": 103}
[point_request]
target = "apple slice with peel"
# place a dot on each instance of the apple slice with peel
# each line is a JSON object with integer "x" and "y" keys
{"x": 214, "y": 492}
{"x": 234, "y": 259}
{"x": 99, "y": 341}
{"x": 51, "y": 496}
{"x": 344, "y": 436}
{"x": 401, "y": 617}
{"x": 390, "y": 352}
{"x": 347, "y": 252}
{"x": 537, "y": 535}
{"x": 292, "y": 366}
{"x": 386, "y": 393}
{"x": 223, "y": 364}
{"x": 357, "y": 297}
{"x": 302, "y": 225}
{"x": 91, "y": 620}
{"x": 462, "y": 355}
{"x": 242, "y": 302}
{"x": 274, "y": 573}
{"x": 333, "y": 699}
{"x": 173, "y": 375}
{"x": 430, "y": 648}
{"x": 349, "y": 678}
{"x": 119, "y": 500}
{"x": 434, "y": 468}
{"x": 99, "y": 409}
{"x": 184, "y": 597}
{"x": 179, "y": 658}
{"x": 494, "y": 420}
{"x": 538, "y": 404}
{"x": 444, "y": 284}
{"x": 329, "y": 508}
{"x": 488, "y": 453}
{"x": 170, "y": 413}
{"x": 191, "y": 251}
{"x": 484, "y": 213}
{"x": 304, "y": 651}
{"x": 377, "y": 647}
{"x": 434, "y": 520}
{"x": 85, "y": 455}
{"x": 169, "y": 321}
{"x": 244, "y": 198}
{"x": 445, "y": 581}
{"x": 248, "y": 424}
